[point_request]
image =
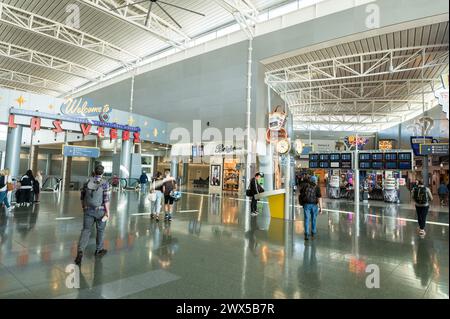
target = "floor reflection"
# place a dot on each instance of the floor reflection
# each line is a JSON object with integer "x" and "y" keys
{"x": 212, "y": 243}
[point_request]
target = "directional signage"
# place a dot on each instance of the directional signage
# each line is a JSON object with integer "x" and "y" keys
{"x": 81, "y": 151}
{"x": 417, "y": 140}
{"x": 434, "y": 149}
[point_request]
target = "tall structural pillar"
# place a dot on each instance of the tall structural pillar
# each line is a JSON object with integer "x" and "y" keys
{"x": 185, "y": 173}
{"x": 13, "y": 143}
{"x": 48, "y": 164}
{"x": 66, "y": 171}
{"x": 125, "y": 159}
{"x": 174, "y": 168}
{"x": 289, "y": 174}
{"x": 425, "y": 173}
{"x": 34, "y": 153}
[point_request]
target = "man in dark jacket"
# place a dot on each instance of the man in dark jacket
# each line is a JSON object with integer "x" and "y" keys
{"x": 255, "y": 189}
{"x": 311, "y": 199}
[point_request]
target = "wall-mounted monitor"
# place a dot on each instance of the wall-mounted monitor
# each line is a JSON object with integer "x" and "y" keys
{"x": 335, "y": 165}
{"x": 377, "y": 156}
{"x": 313, "y": 164}
{"x": 346, "y": 165}
{"x": 324, "y": 164}
{"x": 364, "y": 157}
{"x": 390, "y": 156}
{"x": 377, "y": 165}
{"x": 313, "y": 157}
{"x": 335, "y": 157}
{"x": 346, "y": 157}
{"x": 391, "y": 165}
{"x": 406, "y": 165}
{"x": 364, "y": 165}
{"x": 324, "y": 157}
{"x": 404, "y": 156}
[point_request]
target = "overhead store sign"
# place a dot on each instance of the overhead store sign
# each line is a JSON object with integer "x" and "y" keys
{"x": 81, "y": 151}
{"x": 128, "y": 132}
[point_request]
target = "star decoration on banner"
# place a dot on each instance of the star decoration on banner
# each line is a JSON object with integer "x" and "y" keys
{"x": 130, "y": 121}
{"x": 20, "y": 100}
{"x": 155, "y": 132}
{"x": 51, "y": 107}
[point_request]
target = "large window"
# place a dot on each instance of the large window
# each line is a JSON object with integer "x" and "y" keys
{"x": 108, "y": 165}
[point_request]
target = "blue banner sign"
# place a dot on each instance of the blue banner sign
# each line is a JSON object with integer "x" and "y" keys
{"x": 81, "y": 151}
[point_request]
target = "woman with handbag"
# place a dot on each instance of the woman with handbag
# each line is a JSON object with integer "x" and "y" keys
{"x": 156, "y": 195}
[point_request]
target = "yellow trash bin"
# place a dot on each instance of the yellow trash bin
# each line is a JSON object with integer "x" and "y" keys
{"x": 276, "y": 202}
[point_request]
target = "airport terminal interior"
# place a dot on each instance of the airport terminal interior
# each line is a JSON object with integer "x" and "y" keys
{"x": 205, "y": 128}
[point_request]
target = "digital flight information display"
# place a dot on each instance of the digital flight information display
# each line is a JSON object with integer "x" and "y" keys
{"x": 390, "y": 156}
{"x": 330, "y": 161}
{"x": 395, "y": 161}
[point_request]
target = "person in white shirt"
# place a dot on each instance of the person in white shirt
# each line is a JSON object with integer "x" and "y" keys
{"x": 5, "y": 178}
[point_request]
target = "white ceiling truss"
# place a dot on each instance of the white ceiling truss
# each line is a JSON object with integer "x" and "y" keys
{"x": 48, "y": 61}
{"x": 362, "y": 92}
{"x": 244, "y": 12}
{"x": 33, "y": 81}
{"x": 61, "y": 32}
{"x": 137, "y": 16}
{"x": 362, "y": 65}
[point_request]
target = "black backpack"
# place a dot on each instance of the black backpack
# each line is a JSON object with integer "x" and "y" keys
{"x": 309, "y": 195}
{"x": 421, "y": 195}
{"x": 2, "y": 181}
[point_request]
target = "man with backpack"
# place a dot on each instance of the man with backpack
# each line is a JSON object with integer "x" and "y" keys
{"x": 169, "y": 186}
{"x": 95, "y": 204}
{"x": 143, "y": 180}
{"x": 311, "y": 200}
{"x": 422, "y": 196}
{"x": 254, "y": 188}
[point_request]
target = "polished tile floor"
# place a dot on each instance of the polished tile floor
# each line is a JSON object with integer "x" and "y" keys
{"x": 212, "y": 250}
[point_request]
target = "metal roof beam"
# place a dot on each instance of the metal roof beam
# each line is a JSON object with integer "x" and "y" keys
{"x": 156, "y": 25}
{"x": 17, "y": 88}
{"x": 397, "y": 60}
{"x": 37, "y": 82}
{"x": 63, "y": 33}
{"x": 244, "y": 12}
{"x": 47, "y": 61}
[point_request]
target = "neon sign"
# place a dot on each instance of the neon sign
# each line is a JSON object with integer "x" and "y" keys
{"x": 83, "y": 108}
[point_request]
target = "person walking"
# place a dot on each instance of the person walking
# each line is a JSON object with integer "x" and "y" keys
{"x": 443, "y": 194}
{"x": 255, "y": 188}
{"x": 311, "y": 200}
{"x": 422, "y": 197}
{"x": 143, "y": 180}
{"x": 158, "y": 189}
{"x": 168, "y": 187}
{"x": 26, "y": 185}
{"x": 10, "y": 186}
{"x": 95, "y": 204}
{"x": 37, "y": 186}
{"x": 4, "y": 175}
